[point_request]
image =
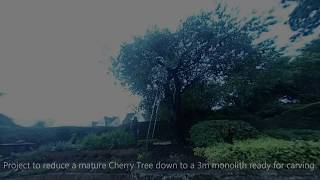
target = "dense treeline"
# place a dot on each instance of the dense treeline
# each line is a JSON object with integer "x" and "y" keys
{"x": 285, "y": 93}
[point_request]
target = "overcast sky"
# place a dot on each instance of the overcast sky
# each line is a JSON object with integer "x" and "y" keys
{"x": 51, "y": 53}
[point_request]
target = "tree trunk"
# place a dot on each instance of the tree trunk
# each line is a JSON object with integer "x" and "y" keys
{"x": 177, "y": 115}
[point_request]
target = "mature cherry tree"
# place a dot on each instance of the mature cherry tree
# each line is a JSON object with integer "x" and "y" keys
{"x": 205, "y": 48}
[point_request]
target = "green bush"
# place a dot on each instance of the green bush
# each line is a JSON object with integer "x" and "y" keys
{"x": 294, "y": 134}
{"x": 263, "y": 149}
{"x": 208, "y": 133}
{"x": 109, "y": 140}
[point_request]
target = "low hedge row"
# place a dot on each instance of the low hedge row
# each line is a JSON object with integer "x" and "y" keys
{"x": 263, "y": 149}
{"x": 208, "y": 133}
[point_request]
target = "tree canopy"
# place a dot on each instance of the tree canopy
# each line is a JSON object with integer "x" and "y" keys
{"x": 206, "y": 48}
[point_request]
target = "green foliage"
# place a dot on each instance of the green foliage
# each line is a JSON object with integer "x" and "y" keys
{"x": 92, "y": 141}
{"x": 108, "y": 140}
{"x": 208, "y": 133}
{"x": 305, "y": 17}
{"x": 294, "y": 79}
{"x": 294, "y": 134}
{"x": 144, "y": 156}
{"x": 232, "y": 113}
{"x": 305, "y": 77}
{"x": 297, "y": 78}
{"x": 57, "y": 146}
{"x": 205, "y": 49}
{"x": 301, "y": 116}
{"x": 263, "y": 149}
{"x": 272, "y": 109}
{"x": 46, "y": 135}
{"x": 200, "y": 96}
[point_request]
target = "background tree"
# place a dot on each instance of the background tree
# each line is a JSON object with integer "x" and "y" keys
{"x": 205, "y": 49}
{"x": 305, "y": 74}
{"x": 281, "y": 87}
{"x": 305, "y": 18}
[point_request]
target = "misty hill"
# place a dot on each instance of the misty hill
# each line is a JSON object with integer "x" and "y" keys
{"x": 6, "y": 121}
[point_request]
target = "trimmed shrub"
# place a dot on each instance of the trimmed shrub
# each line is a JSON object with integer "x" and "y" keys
{"x": 208, "y": 133}
{"x": 109, "y": 140}
{"x": 263, "y": 149}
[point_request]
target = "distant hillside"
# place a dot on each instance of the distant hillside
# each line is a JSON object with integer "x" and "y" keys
{"x": 6, "y": 121}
